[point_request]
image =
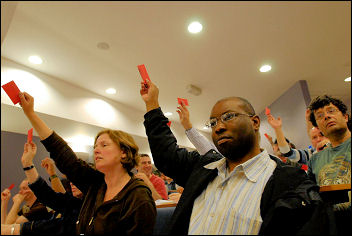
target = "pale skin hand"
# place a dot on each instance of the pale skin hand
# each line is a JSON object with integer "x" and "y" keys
{"x": 27, "y": 104}
{"x": 274, "y": 123}
{"x": 150, "y": 94}
{"x": 184, "y": 116}
{"x": 5, "y": 195}
{"x": 30, "y": 149}
{"x": 49, "y": 166}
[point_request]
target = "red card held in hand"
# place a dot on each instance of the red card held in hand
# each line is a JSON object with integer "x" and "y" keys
{"x": 267, "y": 111}
{"x": 185, "y": 102}
{"x": 169, "y": 123}
{"x": 30, "y": 135}
{"x": 143, "y": 72}
{"x": 12, "y": 91}
{"x": 11, "y": 186}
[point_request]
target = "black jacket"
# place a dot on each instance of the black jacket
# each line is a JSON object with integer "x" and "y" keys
{"x": 131, "y": 211}
{"x": 65, "y": 204}
{"x": 288, "y": 194}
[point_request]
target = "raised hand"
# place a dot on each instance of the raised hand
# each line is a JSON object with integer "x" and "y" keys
{"x": 30, "y": 149}
{"x": 5, "y": 195}
{"x": 27, "y": 102}
{"x": 149, "y": 93}
{"x": 184, "y": 116}
{"x": 274, "y": 123}
{"x": 49, "y": 166}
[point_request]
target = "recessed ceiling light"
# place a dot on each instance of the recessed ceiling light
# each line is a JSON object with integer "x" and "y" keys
{"x": 168, "y": 114}
{"x": 110, "y": 91}
{"x": 195, "y": 27}
{"x": 265, "y": 68}
{"x": 348, "y": 79}
{"x": 35, "y": 60}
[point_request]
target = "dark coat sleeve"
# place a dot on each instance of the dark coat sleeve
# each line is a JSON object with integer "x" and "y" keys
{"x": 76, "y": 170}
{"x": 47, "y": 196}
{"x": 175, "y": 162}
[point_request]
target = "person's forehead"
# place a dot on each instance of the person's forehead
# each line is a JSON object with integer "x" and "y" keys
{"x": 221, "y": 107}
{"x": 145, "y": 159}
{"x": 330, "y": 105}
{"x": 103, "y": 136}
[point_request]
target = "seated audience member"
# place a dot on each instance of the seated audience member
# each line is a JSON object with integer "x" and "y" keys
{"x": 333, "y": 165}
{"x": 245, "y": 191}
{"x": 155, "y": 183}
{"x": 65, "y": 204}
{"x": 114, "y": 201}
{"x": 285, "y": 148}
{"x": 32, "y": 210}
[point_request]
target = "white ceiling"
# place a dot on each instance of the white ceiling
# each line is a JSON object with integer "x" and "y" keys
{"x": 301, "y": 40}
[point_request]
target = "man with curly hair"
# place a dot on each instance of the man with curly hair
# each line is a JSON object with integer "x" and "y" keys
{"x": 333, "y": 165}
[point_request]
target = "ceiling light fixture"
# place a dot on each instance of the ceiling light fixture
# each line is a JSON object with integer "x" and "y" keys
{"x": 110, "y": 91}
{"x": 348, "y": 79}
{"x": 265, "y": 68}
{"x": 168, "y": 114}
{"x": 35, "y": 60}
{"x": 195, "y": 27}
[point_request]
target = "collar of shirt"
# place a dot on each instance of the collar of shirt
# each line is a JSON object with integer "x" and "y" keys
{"x": 253, "y": 168}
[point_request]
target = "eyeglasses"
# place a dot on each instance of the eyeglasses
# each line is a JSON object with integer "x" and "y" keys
{"x": 224, "y": 118}
{"x": 321, "y": 115}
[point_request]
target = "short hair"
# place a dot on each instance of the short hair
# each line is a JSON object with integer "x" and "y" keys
{"x": 322, "y": 101}
{"x": 246, "y": 105}
{"x": 126, "y": 144}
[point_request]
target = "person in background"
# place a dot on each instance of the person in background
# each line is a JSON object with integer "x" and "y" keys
{"x": 114, "y": 201}
{"x": 32, "y": 210}
{"x": 155, "y": 183}
{"x": 65, "y": 204}
{"x": 333, "y": 165}
{"x": 282, "y": 145}
{"x": 264, "y": 187}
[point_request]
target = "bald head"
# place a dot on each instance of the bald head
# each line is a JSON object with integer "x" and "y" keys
{"x": 243, "y": 103}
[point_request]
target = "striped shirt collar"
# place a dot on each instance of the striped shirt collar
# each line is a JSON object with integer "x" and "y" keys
{"x": 253, "y": 168}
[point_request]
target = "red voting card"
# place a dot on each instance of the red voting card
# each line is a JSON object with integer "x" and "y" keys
{"x": 143, "y": 72}
{"x": 267, "y": 111}
{"x": 169, "y": 123}
{"x": 304, "y": 167}
{"x": 30, "y": 135}
{"x": 266, "y": 135}
{"x": 185, "y": 102}
{"x": 11, "y": 186}
{"x": 12, "y": 91}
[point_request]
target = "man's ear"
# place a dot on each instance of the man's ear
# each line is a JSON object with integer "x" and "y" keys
{"x": 256, "y": 122}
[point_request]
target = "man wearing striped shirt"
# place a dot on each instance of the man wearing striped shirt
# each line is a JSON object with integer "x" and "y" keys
{"x": 241, "y": 192}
